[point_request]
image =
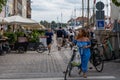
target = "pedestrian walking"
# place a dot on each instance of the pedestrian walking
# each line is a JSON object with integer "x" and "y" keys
{"x": 83, "y": 42}
{"x": 65, "y": 36}
{"x": 59, "y": 37}
{"x": 49, "y": 35}
{"x": 71, "y": 35}
{"x": 91, "y": 33}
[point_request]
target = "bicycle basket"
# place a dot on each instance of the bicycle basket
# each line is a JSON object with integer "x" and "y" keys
{"x": 76, "y": 60}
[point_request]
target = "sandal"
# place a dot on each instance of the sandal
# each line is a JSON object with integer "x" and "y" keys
{"x": 84, "y": 75}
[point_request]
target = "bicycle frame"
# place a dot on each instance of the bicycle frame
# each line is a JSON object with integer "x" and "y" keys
{"x": 96, "y": 59}
{"x": 109, "y": 45}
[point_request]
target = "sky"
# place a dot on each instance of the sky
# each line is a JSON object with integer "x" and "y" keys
{"x": 52, "y": 10}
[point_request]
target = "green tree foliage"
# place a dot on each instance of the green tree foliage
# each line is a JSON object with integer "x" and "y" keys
{"x": 12, "y": 37}
{"x": 2, "y": 3}
{"x": 52, "y": 24}
{"x": 45, "y": 23}
{"x": 116, "y": 3}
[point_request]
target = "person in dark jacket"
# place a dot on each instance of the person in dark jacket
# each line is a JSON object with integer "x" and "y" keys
{"x": 49, "y": 35}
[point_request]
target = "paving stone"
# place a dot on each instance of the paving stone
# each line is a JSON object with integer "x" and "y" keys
{"x": 35, "y": 65}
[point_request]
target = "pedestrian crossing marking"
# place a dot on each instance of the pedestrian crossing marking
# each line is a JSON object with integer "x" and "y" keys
{"x": 94, "y": 77}
{"x": 74, "y": 78}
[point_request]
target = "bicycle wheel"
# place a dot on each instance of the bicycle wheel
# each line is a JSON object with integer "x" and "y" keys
{"x": 98, "y": 60}
{"x": 40, "y": 48}
{"x": 69, "y": 66}
{"x": 113, "y": 57}
{"x": 68, "y": 71}
{"x": 107, "y": 53}
{"x": 21, "y": 50}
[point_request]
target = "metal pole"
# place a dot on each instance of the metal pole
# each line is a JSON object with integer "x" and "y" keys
{"x": 88, "y": 10}
{"x": 61, "y": 19}
{"x": 83, "y": 13}
{"x": 94, "y": 13}
{"x": 74, "y": 17}
{"x": 57, "y": 23}
{"x": 107, "y": 8}
{"x": 107, "y": 5}
{"x": 118, "y": 36}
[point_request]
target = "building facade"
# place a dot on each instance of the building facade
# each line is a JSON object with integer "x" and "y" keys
{"x": 2, "y": 13}
{"x": 9, "y": 8}
{"x": 17, "y": 7}
{"x": 28, "y": 8}
{"x": 24, "y": 8}
{"x": 79, "y": 21}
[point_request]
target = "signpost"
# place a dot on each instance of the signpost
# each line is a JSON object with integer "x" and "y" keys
{"x": 100, "y": 22}
{"x": 100, "y": 5}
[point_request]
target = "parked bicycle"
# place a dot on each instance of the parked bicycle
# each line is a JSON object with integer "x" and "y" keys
{"x": 108, "y": 48}
{"x": 96, "y": 60}
{"x": 22, "y": 45}
{"x": 4, "y": 46}
{"x": 39, "y": 47}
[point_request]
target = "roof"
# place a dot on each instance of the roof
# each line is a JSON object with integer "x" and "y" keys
{"x": 78, "y": 19}
{"x": 81, "y": 18}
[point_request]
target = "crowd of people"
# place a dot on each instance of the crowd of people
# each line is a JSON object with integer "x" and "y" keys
{"x": 82, "y": 38}
{"x": 64, "y": 35}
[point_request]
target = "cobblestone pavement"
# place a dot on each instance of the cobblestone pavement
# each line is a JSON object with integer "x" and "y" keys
{"x": 44, "y": 66}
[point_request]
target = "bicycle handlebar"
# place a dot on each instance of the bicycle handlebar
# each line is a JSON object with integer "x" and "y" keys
{"x": 107, "y": 37}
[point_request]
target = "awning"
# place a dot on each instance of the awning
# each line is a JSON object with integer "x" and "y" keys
{"x": 20, "y": 20}
{"x": 2, "y": 20}
{"x": 37, "y": 26}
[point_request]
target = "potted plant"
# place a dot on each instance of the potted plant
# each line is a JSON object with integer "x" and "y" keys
{"x": 12, "y": 37}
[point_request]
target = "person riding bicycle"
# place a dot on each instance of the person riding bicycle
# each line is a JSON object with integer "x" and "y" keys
{"x": 84, "y": 45}
{"x": 49, "y": 35}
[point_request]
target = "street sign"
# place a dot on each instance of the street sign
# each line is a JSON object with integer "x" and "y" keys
{"x": 100, "y": 5}
{"x": 100, "y": 24}
{"x": 100, "y": 15}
